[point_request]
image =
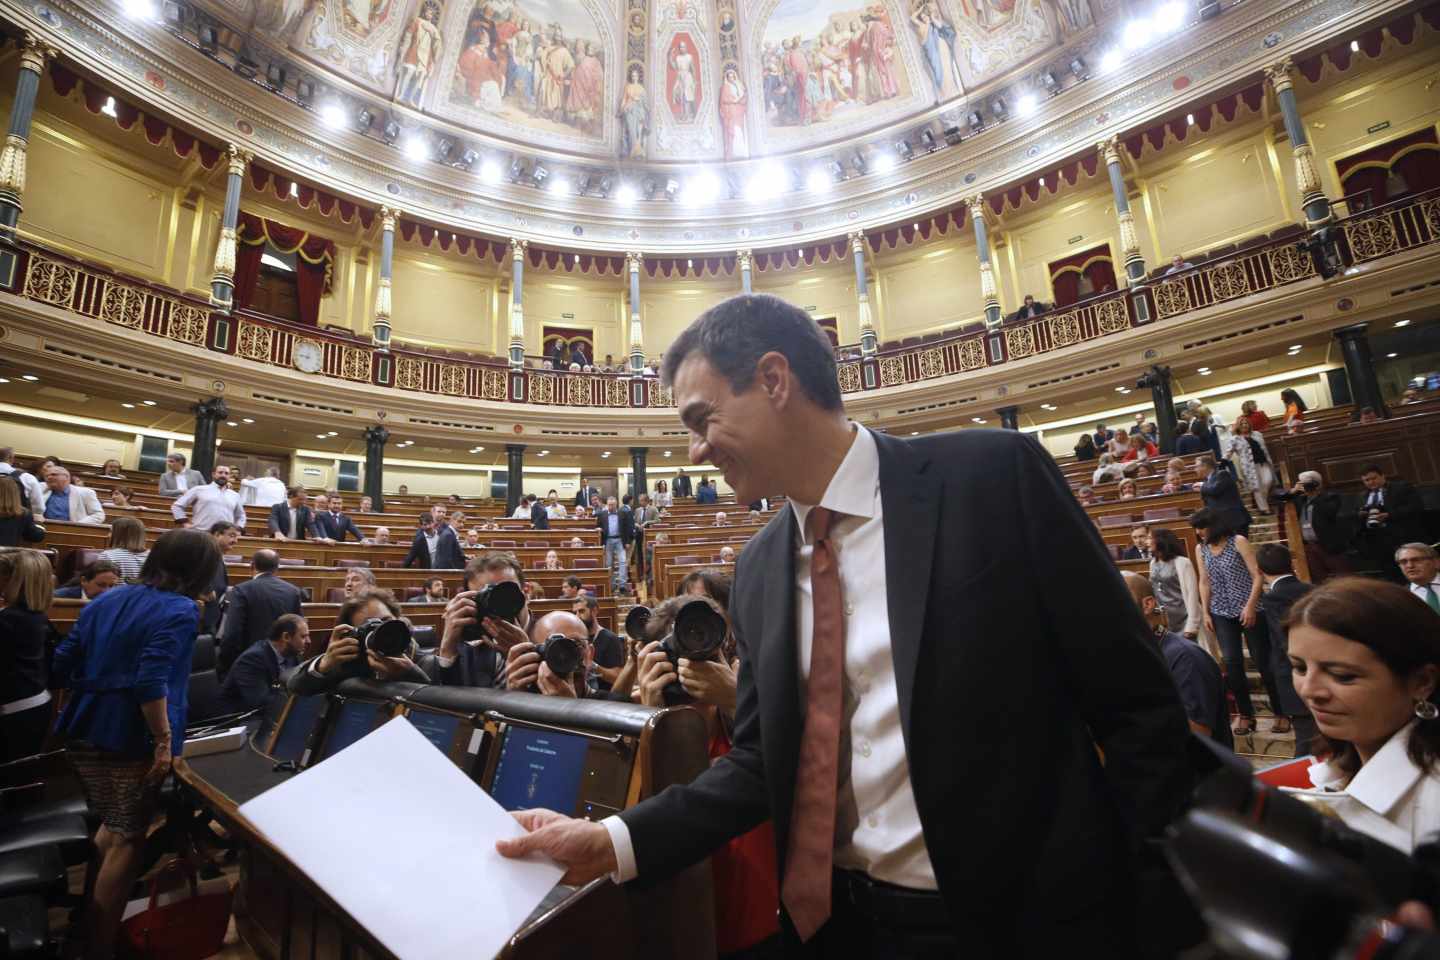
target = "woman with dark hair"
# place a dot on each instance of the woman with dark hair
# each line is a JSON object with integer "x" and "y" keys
{"x": 25, "y": 591}
{"x": 1294, "y": 410}
{"x": 708, "y": 582}
{"x": 1195, "y": 438}
{"x": 1230, "y": 600}
{"x": 126, "y": 663}
{"x": 1366, "y": 660}
{"x": 1085, "y": 448}
{"x": 1172, "y": 577}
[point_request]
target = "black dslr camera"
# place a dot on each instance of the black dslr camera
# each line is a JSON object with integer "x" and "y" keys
{"x": 636, "y": 621}
{"x": 565, "y": 656}
{"x": 388, "y": 638}
{"x": 502, "y": 599}
{"x": 698, "y": 634}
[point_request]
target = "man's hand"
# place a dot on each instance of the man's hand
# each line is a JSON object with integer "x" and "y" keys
{"x": 522, "y": 666}
{"x": 505, "y": 634}
{"x": 581, "y": 847}
{"x": 391, "y": 668}
{"x": 709, "y": 681}
{"x": 554, "y": 686}
{"x": 277, "y": 535}
{"x": 343, "y": 648}
{"x": 656, "y": 673}
{"x": 459, "y": 614}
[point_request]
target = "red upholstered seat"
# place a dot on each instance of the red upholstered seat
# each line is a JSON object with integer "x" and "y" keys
{"x": 687, "y": 560}
{"x": 537, "y": 543}
{"x": 585, "y": 563}
{"x": 335, "y": 595}
{"x": 352, "y": 563}
{"x": 1115, "y": 520}
{"x": 1163, "y": 513}
{"x": 502, "y": 543}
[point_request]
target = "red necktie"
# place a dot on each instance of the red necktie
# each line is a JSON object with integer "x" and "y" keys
{"x": 805, "y": 889}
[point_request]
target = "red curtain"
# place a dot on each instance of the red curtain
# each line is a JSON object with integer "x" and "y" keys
{"x": 551, "y": 333}
{"x": 247, "y": 272}
{"x": 1082, "y": 275}
{"x": 314, "y": 260}
{"x": 1392, "y": 170}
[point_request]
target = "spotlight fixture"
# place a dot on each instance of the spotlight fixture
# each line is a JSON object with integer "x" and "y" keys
{"x": 140, "y": 9}
{"x": 701, "y": 188}
{"x": 364, "y": 119}
{"x": 1077, "y": 68}
{"x": 1048, "y": 81}
{"x": 539, "y": 174}
{"x": 443, "y": 150}
{"x": 127, "y": 406}
{"x": 672, "y": 187}
{"x": 904, "y": 150}
{"x": 976, "y": 121}
{"x": 247, "y": 419}
{"x": 208, "y": 38}
{"x": 606, "y": 183}
{"x": 1189, "y": 119}
{"x": 766, "y": 182}
{"x": 305, "y": 90}
{"x": 1137, "y": 33}
{"x": 173, "y": 14}
{"x": 585, "y": 183}
{"x": 953, "y": 136}
{"x": 651, "y": 186}
{"x": 836, "y": 171}
{"x": 927, "y": 137}
{"x": 1354, "y": 46}
{"x": 244, "y": 66}
{"x": 517, "y": 170}
{"x": 998, "y": 108}
{"x": 1170, "y": 17}
{"x": 858, "y": 163}
{"x": 275, "y": 76}
{"x": 391, "y": 131}
{"x": 467, "y": 159}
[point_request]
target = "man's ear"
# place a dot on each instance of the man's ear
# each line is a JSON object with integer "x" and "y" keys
{"x": 773, "y": 375}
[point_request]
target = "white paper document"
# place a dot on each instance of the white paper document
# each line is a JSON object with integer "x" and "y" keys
{"x": 405, "y": 844}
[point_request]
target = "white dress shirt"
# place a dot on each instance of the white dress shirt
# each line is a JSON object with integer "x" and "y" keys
{"x": 1389, "y": 798}
{"x": 522, "y": 512}
{"x": 212, "y": 504}
{"x": 1419, "y": 589}
{"x": 264, "y": 491}
{"x": 876, "y": 803}
{"x": 181, "y": 483}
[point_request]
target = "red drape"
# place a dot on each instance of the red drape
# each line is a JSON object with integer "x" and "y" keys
{"x": 1392, "y": 170}
{"x": 314, "y": 260}
{"x": 1093, "y": 266}
{"x": 247, "y": 272}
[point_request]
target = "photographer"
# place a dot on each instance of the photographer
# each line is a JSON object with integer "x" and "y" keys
{"x": 528, "y": 668}
{"x": 1366, "y": 661}
{"x": 1389, "y": 516}
{"x": 473, "y": 645}
{"x": 1325, "y": 532}
{"x": 609, "y": 648}
{"x": 341, "y": 659}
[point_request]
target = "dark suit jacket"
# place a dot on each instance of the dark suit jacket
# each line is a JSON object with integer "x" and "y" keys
{"x": 627, "y": 525}
{"x": 473, "y": 667}
{"x": 681, "y": 486}
{"x": 1133, "y": 553}
{"x": 280, "y": 521}
{"x": 582, "y": 497}
{"x": 539, "y": 516}
{"x": 249, "y": 613}
{"x": 447, "y": 549}
{"x": 1403, "y": 505}
{"x": 251, "y": 677}
{"x": 1276, "y": 602}
{"x": 1221, "y": 494}
{"x": 210, "y": 612}
{"x": 1087, "y": 672}
{"x": 1331, "y": 529}
{"x": 336, "y": 528}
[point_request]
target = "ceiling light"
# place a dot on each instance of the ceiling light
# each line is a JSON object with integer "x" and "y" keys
{"x": 1189, "y": 119}
{"x": 667, "y": 453}
{"x": 1354, "y": 46}
{"x": 247, "y": 419}
{"x": 818, "y": 181}
{"x": 490, "y": 170}
{"x": 1402, "y": 323}
{"x": 1137, "y": 33}
{"x": 333, "y": 433}
{"x": 321, "y": 436}
{"x": 884, "y": 162}
{"x": 294, "y": 189}
{"x": 1295, "y": 346}
{"x": 127, "y": 406}
{"x": 32, "y": 378}
{"x": 109, "y": 108}
{"x": 701, "y": 188}
{"x": 332, "y": 115}
{"x": 140, "y": 9}
{"x": 1391, "y": 356}
{"x": 1109, "y": 61}
{"x": 1203, "y": 370}
{"x": 672, "y": 187}
{"x": 1025, "y": 105}
{"x": 148, "y": 403}
{"x": 363, "y": 120}
{"x": 231, "y": 423}
{"x": 977, "y": 420}
{"x": 415, "y": 148}
{"x": 559, "y": 185}
{"x": 539, "y": 174}
{"x": 1048, "y": 81}
{"x": 1205, "y": 373}
{"x": 1119, "y": 389}
{"x": 626, "y": 195}
{"x": 1170, "y": 17}
{"x": 1047, "y": 406}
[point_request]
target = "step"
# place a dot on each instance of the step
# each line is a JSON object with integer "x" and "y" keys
{"x": 1264, "y": 743}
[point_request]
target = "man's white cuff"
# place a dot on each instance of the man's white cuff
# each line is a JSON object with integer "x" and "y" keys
{"x": 625, "y": 868}
{"x": 445, "y": 662}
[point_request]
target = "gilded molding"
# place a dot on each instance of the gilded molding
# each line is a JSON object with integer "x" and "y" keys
{"x": 12, "y": 166}
{"x": 1129, "y": 239}
{"x": 238, "y": 159}
{"x": 1281, "y": 74}
{"x": 976, "y": 206}
{"x": 517, "y": 248}
{"x": 35, "y": 54}
{"x": 744, "y": 259}
{"x": 382, "y": 301}
{"x": 857, "y": 241}
{"x": 987, "y": 284}
{"x": 633, "y": 259}
{"x": 225, "y": 249}
{"x": 388, "y": 216}
{"x": 1109, "y": 151}
{"x": 1307, "y": 178}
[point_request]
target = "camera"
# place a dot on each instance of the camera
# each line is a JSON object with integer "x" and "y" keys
{"x": 563, "y": 655}
{"x": 1323, "y": 249}
{"x": 388, "y": 638}
{"x": 636, "y": 621}
{"x": 502, "y": 599}
{"x": 698, "y": 634}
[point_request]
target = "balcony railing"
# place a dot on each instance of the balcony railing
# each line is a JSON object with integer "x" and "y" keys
{"x": 97, "y": 293}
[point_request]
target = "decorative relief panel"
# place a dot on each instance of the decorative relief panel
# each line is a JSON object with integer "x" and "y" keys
{"x": 452, "y": 379}
{"x": 355, "y": 364}
{"x": 542, "y": 388}
{"x": 1111, "y": 316}
{"x": 1371, "y": 237}
{"x": 617, "y": 393}
{"x": 408, "y": 374}
{"x": 1172, "y": 297}
{"x": 255, "y": 341}
{"x": 1019, "y": 342}
{"x": 660, "y": 395}
{"x": 187, "y": 324}
{"x": 849, "y": 374}
{"x": 1228, "y": 280}
{"x": 1287, "y": 263}
{"x": 932, "y": 363}
{"x": 1064, "y": 330}
{"x": 493, "y": 384}
{"x": 972, "y": 354}
{"x": 123, "y": 305}
{"x": 50, "y": 281}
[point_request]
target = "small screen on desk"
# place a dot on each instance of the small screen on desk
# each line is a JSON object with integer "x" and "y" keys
{"x": 355, "y": 719}
{"x": 295, "y": 729}
{"x": 539, "y": 768}
{"x": 438, "y": 728}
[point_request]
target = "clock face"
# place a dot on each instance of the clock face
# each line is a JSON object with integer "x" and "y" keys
{"x": 308, "y": 356}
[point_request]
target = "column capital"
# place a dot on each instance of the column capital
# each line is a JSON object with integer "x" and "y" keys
{"x": 633, "y": 259}
{"x": 388, "y": 216}
{"x": 639, "y": 451}
{"x": 211, "y": 409}
{"x": 377, "y": 434}
{"x": 1109, "y": 150}
{"x": 857, "y": 241}
{"x": 1281, "y": 74}
{"x": 518, "y": 248}
{"x": 976, "y": 206}
{"x": 744, "y": 259}
{"x": 514, "y": 448}
{"x": 1354, "y": 331}
{"x": 36, "y": 53}
{"x": 238, "y": 158}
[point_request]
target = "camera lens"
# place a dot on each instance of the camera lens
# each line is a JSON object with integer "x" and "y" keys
{"x": 390, "y": 638}
{"x": 503, "y": 599}
{"x": 699, "y": 631}
{"x": 636, "y": 621}
{"x": 562, "y": 654}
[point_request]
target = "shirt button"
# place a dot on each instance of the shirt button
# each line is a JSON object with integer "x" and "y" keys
{"x": 849, "y": 609}
{"x": 872, "y": 821}
{"x": 864, "y": 748}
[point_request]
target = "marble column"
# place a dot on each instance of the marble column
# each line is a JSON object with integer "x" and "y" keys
{"x": 380, "y": 333}
{"x": 1360, "y": 368}
{"x": 868, "y": 341}
{"x": 637, "y": 334}
{"x": 1312, "y": 198}
{"x": 517, "y": 312}
{"x": 1009, "y": 417}
{"x": 515, "y": 464}
{"x": 638, "y": 457}
{"x": 745, "y": 262}
{"x": 1164, "y": 400}
{"x": 33, "y": 56}
{"x": 209, "y": 414}
{"x": 988, "y": 289}
{"x": 375, "y": 439}
{"x": 222, "y": 283}
{"x": 1129, "y": 239}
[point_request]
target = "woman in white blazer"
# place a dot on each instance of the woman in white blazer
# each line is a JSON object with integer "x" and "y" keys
{"x": 1366, "y": 661}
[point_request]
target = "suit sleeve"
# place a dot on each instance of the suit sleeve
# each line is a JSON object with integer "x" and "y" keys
{"x": 94, "y": 513}
{"x": 272, "y": 525}
{"x": 232, "y": 628}
{"x": 247, "y": 685}
{"x": 302, "y": 682}
{"x": 414, "y": 553}
{"x": 686, "y": 822}
{"x": 1122, "y": 688}
{"x": 1407, "y": 507}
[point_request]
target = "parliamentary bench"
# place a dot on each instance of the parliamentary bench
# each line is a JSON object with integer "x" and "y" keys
{"x": 675, "y": 573}
{"x": 1122, "y": 513}
{"x": 406, "y": 582}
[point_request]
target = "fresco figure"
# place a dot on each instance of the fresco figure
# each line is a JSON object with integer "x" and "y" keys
{"x": 732, "y": 115}
{"x": 587, "y": 86}
{"x": 859, "y": 78}
{"x": 937, "y": 42}
{"x": 481, "y": 75}
{"x": 634, "y": 115}
{"x": 797, "y": 81}
{"x": 684, "y": 87}
{"x": 880, "y": 55}
{"x": 557, "y": 67}
{"x": 419, "y": 51}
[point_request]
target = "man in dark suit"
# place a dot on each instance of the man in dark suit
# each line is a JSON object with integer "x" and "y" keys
{"x": 252, "y": 607}
{"x": 539, "y": 516}
{"x": 226, "y": 536}
{"x": 1324, "y": 531}
{"x": 480, "y": 662}
{"x": 1139, "y": 548}
{"x": 617, "y": 532}
{"x": 1219, "y": 492}
{"x": 934, "y": 838}
{"x": 434, "y": 547}
{"x": 1389, "y": 516}
{"x": 582, "y": 499}
{"x": 1030, "y": 309}
{"x": 1282, "y": 589}
{"x": 256, "y": 671}
{"x": 681, "y": 486}
{"x": 292, "y": 519}
{"x": 335, "y": 524}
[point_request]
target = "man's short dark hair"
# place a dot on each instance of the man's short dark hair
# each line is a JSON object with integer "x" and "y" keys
{"x": 588, "y": 600}
{"x": 265, "y": 561}
{"x": 286, "y": 623}
{"x": 426, "y": 518}
{"x": 574, "y": 581}
{"x": 293, "y": 491}
{"x": 94, "y": 568}
{"x": 1273, "y": 559}
{"x": 1371, "y": 468}
{"x": 176, "y": 456}
{"x": 219, "y": 527}
{"x": 734, "y": 334}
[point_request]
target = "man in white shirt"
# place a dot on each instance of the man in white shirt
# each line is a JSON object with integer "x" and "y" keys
{"x": 176, "y": 479}
{"x": 211, "y": 503}
{"x": 63, "y": 500}
{"x": 265, "y": 491}
{"x": 1421, "y": 566}
{"x": 854, "y": 680}
{"x": 522, "y": 510}
{"x": 28, "y": 483}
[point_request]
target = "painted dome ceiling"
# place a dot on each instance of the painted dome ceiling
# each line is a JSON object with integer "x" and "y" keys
{"x": 664, "y": 80}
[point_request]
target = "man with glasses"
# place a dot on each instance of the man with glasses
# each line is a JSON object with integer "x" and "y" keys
{"x": 1420, "y": 565}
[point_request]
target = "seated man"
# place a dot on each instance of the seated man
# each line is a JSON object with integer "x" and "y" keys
{"x": 727, "y": 554}
{"x": 434, "y": 591}
{"x": 1196, "y": 674}
{"x": 252, "y": 607}
{"x": 341, "y": 659}
{"x": 367, "y": 505}
{"x": 1086, "y": 496}
{"x": 381, "y": 538}
{"x": 576, "y": 543}
{"x": 571, "y": 588}
{"x": 526, "y": 670}
{"x": 1177, "y": 264}
{"x": 357, "y": 581}
{"x": 292, "y": 519}
{"x": 335, "y": 524}
{"x": 477, "y": 660}
{"x": 1139, "y": 548}
{"x": 256, "y": 671}
{"x": 721, "y": 519}
{"x": 63, "y": 500}
{"x": 1029, "y": 309}
{"x": 472, "y": 539}
{"x": 404, "y": 490}
{"x": 94, "y": 580}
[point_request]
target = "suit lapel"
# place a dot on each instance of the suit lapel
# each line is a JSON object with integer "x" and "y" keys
{"x": 773, "y": 652}
{"x": 910, "y": 498}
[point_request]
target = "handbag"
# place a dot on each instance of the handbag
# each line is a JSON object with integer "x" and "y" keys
{"x": 191, "y": 928}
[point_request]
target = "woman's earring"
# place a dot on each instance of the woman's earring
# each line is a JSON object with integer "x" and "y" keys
{"x": 1426, "y": 710}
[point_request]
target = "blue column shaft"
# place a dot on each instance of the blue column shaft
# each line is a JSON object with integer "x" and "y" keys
{"x": 1117, "y": 186}
{"x": 24, "y": 109}
{"x": 862, "y": 286}
{"x": 517, "y": 278}
{"x": 1290, "y": 111}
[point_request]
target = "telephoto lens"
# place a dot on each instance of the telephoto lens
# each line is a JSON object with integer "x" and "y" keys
{"x": 636, "y": 621}
{"x": 502, "y": 599}
{"x": 563, "y": 655}
{"x": 388, "y": 638}
{"x": 698, "y": 634}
